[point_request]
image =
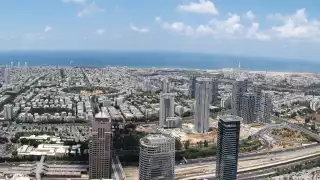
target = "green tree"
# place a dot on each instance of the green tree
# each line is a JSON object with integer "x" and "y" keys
{"x": 14, "y": 153}
{"x": 178, "y": 144}
{"x": 206, "y": 144}
{"x": 187, "y": 144}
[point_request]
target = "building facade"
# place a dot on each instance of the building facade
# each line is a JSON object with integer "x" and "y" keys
{"x": 157, "y": 157}
{"x": 193, "y": 82}
{"x": 165, "y": 85}
{"x": 227, "y": 145}
{"x": 8, "y": 111}
{"x": 214, "y": 91}
{"x": 100, "y": 147}
{"x": 166, "y": 108}
{"x": 248, "y": 108}
{"x": 203, "y": 99}
{"x": 239, "y": 87}
{"x": 257, "y": 90}
{"x": 265, "y": 109}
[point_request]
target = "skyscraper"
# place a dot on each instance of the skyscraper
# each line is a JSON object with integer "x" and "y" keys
{"x": 157, "y": 158}
{"x": 227, "y": 145}
{"x": 238, "y": 88}
{"x": 7, "y": 111}
{"x": 100, "y": 147}
{"x": 248, "y": 108}
{"x": 193, "y": 87}
{"x": 214, "y": 91}
{"x": 165, "y": 85}
{"x": 257, "y": 89}
{"x": 265, "y": 108}
{"x": 203, "y": 99}
{"x": 7, "y": 76}
{"x": 166, "y": 107}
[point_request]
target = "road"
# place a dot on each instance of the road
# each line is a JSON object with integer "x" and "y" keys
{"x": 249, "y": 161}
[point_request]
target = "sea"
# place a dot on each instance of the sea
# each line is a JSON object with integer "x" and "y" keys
{"x": 156, "y": 59}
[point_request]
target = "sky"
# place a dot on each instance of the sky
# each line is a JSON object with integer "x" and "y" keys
{"x": 266, "y": 28}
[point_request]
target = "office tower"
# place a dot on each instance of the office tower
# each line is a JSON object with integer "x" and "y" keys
{"x": 166, "y": 108}
{"x": 100, "y": 147}
{"x": 18, "y": 64}
{"x": 238, "y": 88}
{"x": 248, "y": 108}
{"x": 165, "y": 86}
{"x": 146, "y": 86}
{"x": 227, "y": 146}
{"x": 203, "y": 99}
{"x": 7, "y": 111}
{"x": 157, "y": 157}
{"x": 214, "y": 91}
{"x": 193, "y": 87}
{"x": 257, "y": 89}
{"x": 265, "y": 108}
{"x": 7, "y": 76}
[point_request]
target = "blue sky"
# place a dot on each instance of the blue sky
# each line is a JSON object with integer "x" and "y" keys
{"x": 270, "y": 28}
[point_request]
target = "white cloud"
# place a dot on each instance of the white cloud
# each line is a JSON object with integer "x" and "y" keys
{"x": 201, "y": 7}
{"x": 296, "y": 25}
{"x": 74, "y": 1}
{"x": 86, "y": 7}
{"x": 204, "y": 30}
{"x": 47, "y": 28}
{"x": 253, "y": 33}
{"x": 158, "y": 19}
{"x": 100, "y": 31}
{"x": 230, "y": 26}
{"x": 249, "y": 15}
{"x": 140, "y": 30}
{"x": 89, "y": 9}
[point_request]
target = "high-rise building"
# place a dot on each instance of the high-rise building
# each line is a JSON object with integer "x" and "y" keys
{"x": 257, "y": 89}
{"x": 166, "y": 108}
{"x": 214, "y": 91}
{"x": 227, "y": 145}
{"x": 248, "y": 108}
{"x": 265, "y": 109}
{"x": 157, "y": 157}
{"x": 7, "y": 111}
{"x": 192, "y": 90}
{"x": 165, "y": 85}
{"x": 239, "y": 87}
{"x": 203, "y": 99}
{"x": 6, "y": 76}
{"x": 100, "y": 147}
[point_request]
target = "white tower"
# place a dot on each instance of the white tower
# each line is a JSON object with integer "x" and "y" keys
{"x": 166, "y": 108}
{"x": 203, "y": 99}
{"x": 165, "y": 85}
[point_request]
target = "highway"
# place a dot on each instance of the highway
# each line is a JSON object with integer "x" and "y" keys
{"x": 251, "y": 162}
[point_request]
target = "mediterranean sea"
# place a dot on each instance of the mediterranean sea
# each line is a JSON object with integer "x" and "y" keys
{"x": 156, "y": 59}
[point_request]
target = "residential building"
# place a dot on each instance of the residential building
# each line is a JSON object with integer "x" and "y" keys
{"x": 257, "y": 90}
{"x": 8, "y": 111}
{"x": 227, "y": 145}
{"x": 157, "y": 157}
{"x": 193, "y": 83}
{"x": 203, "y": 99}
{"x": 166, "y": 108}
{"x": 248, "y": 108}
{"x": 165, "y": 85}
{"x": 265, "y": 109}
{"x": 100, "y": 147}
{"x": 239, "y": 87}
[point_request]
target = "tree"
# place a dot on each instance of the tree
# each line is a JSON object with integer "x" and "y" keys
{"x": 200, "y": 144}
{"x": 178, "y": 144}
{"x": 206, "y": 144}
{"x": 187, "y": 144}
{"x": 14, "y": 153}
